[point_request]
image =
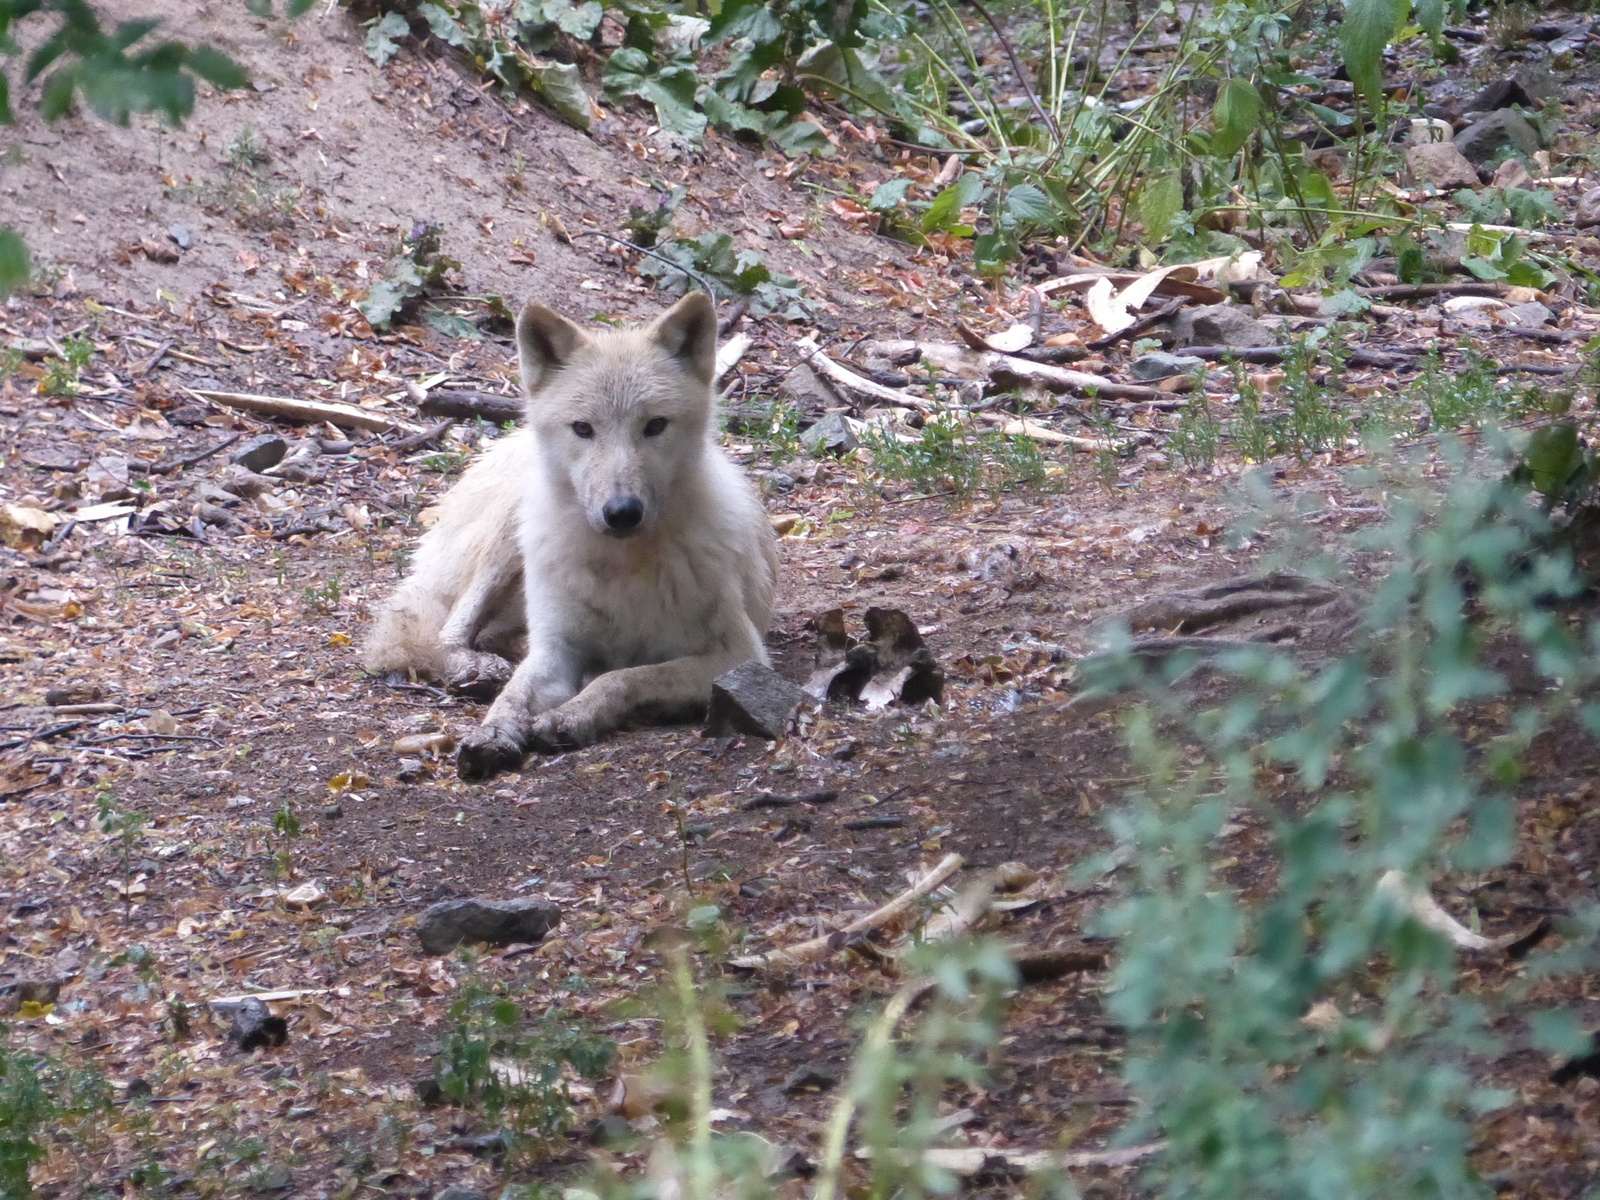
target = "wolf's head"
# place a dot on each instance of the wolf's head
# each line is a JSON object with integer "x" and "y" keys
{"x": 621, "y": 416}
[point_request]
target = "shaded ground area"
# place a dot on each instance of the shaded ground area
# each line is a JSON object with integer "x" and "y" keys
{"x": 207, "y": 678}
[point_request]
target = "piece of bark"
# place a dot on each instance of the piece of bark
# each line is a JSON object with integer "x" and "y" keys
{"x": 346, "y": 416}
{"x": 469, "y": 406}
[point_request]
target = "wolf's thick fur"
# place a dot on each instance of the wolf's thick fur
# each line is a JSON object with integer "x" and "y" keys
{"x": 609, "y": 544}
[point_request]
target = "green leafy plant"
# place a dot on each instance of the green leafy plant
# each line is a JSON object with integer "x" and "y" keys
{"x": 1198, "y": 436}
{"x": 712, "y": 256}
{"x": 417, "y": 269}
{"x": 494, "y": 1058}
{"x": 951, "y": 456}
{"x": 61, "y": 371}
{"x": 1312, "y": 1037}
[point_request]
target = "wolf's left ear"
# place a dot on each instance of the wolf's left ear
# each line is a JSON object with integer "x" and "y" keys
{"x": 688, "y": 332}
{"x": 545, "y": 342}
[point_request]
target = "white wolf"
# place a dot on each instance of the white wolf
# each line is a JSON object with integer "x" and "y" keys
{"x": 609, "y": 544}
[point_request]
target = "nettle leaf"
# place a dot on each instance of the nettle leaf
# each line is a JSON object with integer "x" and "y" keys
{"x": 1346, "y": 303}
{"x": 382, "y": 43}
{"x": 1316, "y": 189}
{"x": 945, "y": 211}
{"x": 1029, "y": 205}
{"x": 1369, "y": 26}
{"x": 1235, "y": 117}
{"x": 217, "y": 69}
{"x": 7, "y": 117}
{"x": 887, "y": 196}
{"x": 798, "y": 138}
{"x": 1160, "y": 202}
{"x": 14, "y": 265}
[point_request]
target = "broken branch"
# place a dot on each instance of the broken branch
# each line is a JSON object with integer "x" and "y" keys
{"x": 345, "y": 416}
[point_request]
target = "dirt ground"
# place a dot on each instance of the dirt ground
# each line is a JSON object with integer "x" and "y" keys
{"x": 225, "y": 664}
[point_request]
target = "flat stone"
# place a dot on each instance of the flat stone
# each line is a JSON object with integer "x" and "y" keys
{"x": 1442, "y": 166}
{"x": 1512, "y": 174}
{"x": 180, "y": 235}
{"x": 830, "y": 435}
{"x": 1429, "y": 131}
{"x": 752, "y": 699}
{"x": 1161, "y": 365}
{"x": 1506, "y": 128}
{"x": 804, "y": 388}
{"x": 1502, "y": 93}
{"x": 1220, "y": 325}
{"x": 1531, "y": 314}
{"x": 261, "y": 452}
{"x": 451, "y": 923}
{"x": 1588, "y": 210}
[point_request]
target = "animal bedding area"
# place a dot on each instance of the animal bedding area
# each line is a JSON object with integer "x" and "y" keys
{"x": 204, "y": 799}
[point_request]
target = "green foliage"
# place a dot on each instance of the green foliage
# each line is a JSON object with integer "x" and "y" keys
{"x": 1199, "y": 433}
{"x": 61, "y": 371}
{"x": 1469, "y": 395}
{"x": 1559, "y": 467}
{"x": 777, "y": 430}
{"x": 1510, "y": 206}
{"x": 950, "y": 455}
{"x": 1348, "y": 769}
{"x": 1235, "y": 117}
{"x": 1368, "y": 28}
{"x": 712, "y": 256}
{"x": 15, "y": 266}
{"x": 418, "y": 268}
{"x": 493, "y": 1057}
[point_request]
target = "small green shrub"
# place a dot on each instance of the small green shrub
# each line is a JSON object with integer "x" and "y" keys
{"x": 492, "y": 1057}
{"x": 950, "y": 455}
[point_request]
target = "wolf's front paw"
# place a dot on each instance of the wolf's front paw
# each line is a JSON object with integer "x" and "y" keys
{"x": 564, "y": 728}
{"x": 477, "y": 676}
{"x": 485, "y": 752}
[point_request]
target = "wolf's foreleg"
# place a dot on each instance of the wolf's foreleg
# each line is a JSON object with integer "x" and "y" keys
{"x": 541, "y": 681}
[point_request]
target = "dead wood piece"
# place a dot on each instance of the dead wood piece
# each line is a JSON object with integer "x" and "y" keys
{"x": 426, "y": 438}
{"x": 1083, "y": 280}
{"x": 1424, "y": 291}
{"x": 1160, "y": 647}
{"x": 1008, "y": 371}
{"x": 809, "y": 951}
{"x": 859, "y": 385}
{"x": 1420, "y": 904}
{"x": 731, "y": 351}
{"x": 177, "y": 464}
{"x": 1041, "y": 966}
{"x": 1272, "y": 354}
{"x": 1198, "y": 608}
{"x": 469, "y": 406}
{"x": 346, "y": 416}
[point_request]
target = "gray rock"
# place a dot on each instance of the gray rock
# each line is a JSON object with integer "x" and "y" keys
{"x": 449, "y": 923}
{"x": 1506, "y": 128}
{"x": 1160, "y": 365}
{"x": 1531, "y": 314}
{"x": 180, "y": 235}
{"x": 1502, "y": 93}
{"x": 1442, "y": 166}
{"x": 804, "y": 388}
{"x": 457, "y": 1192}
{"x": 752, "y": 699}
{"x": 831, "y": 435}
{"x": 1588, "y": 210}
{"x": 261, "y": 452}
{"x": 1429, "y": 131}
{"x": 1220, "y": 325}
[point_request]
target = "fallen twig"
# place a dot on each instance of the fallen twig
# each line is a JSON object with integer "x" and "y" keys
{"x": 808, "y": 951}
{"x": 468, "y": 405}
{"x": 1005, "y": 367}
{"x": 177, "y": 464}
{"x": 1144, "y": 323}
{"x": 427, "y": 437}
{"x": 346, "y": 416}
{"x": 860, "y": 385}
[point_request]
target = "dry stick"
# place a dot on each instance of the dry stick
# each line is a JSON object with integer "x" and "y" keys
{"x": 178, "y": 464}
{"x": 1421, "y": 291}
{"x": 859, "y": 384}
{"x": 418, "y": 440}
{"x": 1060, "y": 379}
{"x": 804, "y": 952}
{"x": 468, "y": 405}
{"x": 1275, "y": 354}
{"x": 346, "y": 416}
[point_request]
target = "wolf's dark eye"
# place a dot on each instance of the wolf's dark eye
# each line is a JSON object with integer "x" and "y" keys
{"x": 583, "y": 429}
{"x": 654, "y": 426}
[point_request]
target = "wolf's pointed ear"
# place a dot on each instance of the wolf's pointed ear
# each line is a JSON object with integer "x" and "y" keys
{"x": 688, "y": 332}
{"x": 545, "y": 343}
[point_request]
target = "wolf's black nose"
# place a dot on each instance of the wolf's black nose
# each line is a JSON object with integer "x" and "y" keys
{"x": 623, "y": 514}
